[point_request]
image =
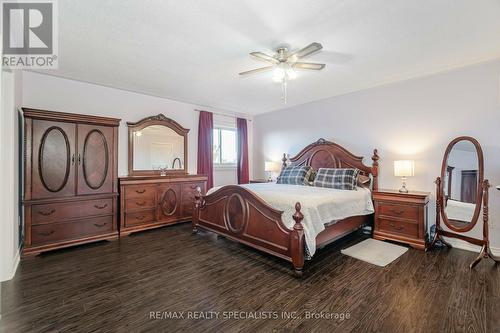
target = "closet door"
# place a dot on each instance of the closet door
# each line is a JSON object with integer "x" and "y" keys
{"x": 53, "y": 159}
{"x": 95, "y": 159}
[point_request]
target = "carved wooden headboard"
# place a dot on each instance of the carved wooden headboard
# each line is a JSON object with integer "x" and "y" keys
{"x": 326, "y": 154}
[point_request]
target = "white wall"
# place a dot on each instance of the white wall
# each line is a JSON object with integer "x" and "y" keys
{"x": 9, "y": 155}
{"x": 412, "y": 119}
{"x": 57, "y": 94}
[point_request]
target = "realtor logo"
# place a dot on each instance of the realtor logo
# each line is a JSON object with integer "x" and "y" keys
{"x": 29, "y": 34}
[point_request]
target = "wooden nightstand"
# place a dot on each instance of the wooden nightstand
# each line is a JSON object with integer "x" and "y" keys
{"x": 401, "y": 217}
{"x": 255, "y": 181}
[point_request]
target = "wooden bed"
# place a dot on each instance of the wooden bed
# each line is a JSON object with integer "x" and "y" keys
{"x": 240, "y": 215}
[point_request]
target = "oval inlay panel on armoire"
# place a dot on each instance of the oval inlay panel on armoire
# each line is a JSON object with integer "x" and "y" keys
{"x": 50, "y": 155}
{"x": 169, "y": 202}
{"x": 95, "y": 159}
{"x": 95, "y": 147}
{"x": 54, "y": 159}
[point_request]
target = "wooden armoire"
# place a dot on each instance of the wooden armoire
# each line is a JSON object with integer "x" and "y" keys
{"x": 70, "y": 179}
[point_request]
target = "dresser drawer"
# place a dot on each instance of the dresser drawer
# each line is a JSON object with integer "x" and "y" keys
{"x": 57, "y": 232}
{"x": 142, "y": 192}
{"x": 49, "y": 213}
{"x": 400, "y": 211}
{"x": 398, "y": 227}
{"x": 139, "y": 203}
{"x": 141, "y": 217}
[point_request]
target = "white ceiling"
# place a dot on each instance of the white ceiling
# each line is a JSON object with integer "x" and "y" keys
{"x": 192, "y": 50}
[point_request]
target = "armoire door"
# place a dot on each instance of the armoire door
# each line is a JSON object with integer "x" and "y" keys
{"x": 53, "y": 159}
{"x": 95, "y": 159}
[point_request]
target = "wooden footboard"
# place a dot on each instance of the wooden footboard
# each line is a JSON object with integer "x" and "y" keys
{"x": 239, "y": 214}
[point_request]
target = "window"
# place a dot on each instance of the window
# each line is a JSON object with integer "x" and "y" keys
{"x": 224, "y": 148}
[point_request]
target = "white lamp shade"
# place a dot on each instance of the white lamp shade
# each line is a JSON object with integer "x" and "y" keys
{"x": 272, "y": 167}
{"x": 404, "y": 168}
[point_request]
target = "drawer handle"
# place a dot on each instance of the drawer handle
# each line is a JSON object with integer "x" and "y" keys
{"x": 45, "y": 234}
{"x": 52, "y": 211}
{"x": 140, "y": 203}
{"x": 194, "y": 187}
{"x": 398, "y": 211}
{"x": 395, "y": 227}
{"x": 140, "y": 191}
{"x": 142, "y": 217}
{"x": 100, "y": 225}
{"x": 101, "y": 207}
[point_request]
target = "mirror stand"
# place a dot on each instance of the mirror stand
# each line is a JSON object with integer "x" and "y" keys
{"x": 485, "y": 251}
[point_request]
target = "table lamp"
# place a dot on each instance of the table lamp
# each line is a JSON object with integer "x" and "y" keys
{"x": 403, "y": 169}
{"x": 271, "y": 167}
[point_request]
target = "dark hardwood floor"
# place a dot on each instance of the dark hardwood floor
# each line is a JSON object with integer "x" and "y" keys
{"x": 116, "y": 286}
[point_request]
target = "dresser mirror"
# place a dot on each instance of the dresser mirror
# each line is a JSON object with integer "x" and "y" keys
{"x": 157, "y": 146}
{"x": 462, "y": 194}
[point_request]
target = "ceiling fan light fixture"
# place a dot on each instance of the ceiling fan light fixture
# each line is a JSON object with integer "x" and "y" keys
{"x": 283, "y": 64}
{"x": 278, "y": 74}
{"x": 283, "y": 71}
{"x": 291, "y": 73}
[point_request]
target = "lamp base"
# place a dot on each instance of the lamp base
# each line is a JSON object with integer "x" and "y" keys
{"x": 403, "y": 188}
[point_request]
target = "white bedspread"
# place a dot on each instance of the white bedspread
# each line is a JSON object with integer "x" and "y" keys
{"x": 319, "y": 205}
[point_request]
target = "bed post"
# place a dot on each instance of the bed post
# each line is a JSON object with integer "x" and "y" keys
{"x": 297, "y": 242}
{"x": 283, "y": 160}
{"x": 375, "y": 159}
{"x": 196, "y": 212}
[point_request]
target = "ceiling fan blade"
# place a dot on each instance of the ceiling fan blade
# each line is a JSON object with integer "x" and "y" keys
{"x": 265, "y": 57}
{"x": 258, "y": 70}
{"x": 308, "y": 65}
{"x": 309, "y": 49}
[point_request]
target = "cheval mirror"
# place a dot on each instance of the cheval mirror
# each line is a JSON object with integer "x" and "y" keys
{"x": 157, "y": 145}
{"x": 462, "y": 193}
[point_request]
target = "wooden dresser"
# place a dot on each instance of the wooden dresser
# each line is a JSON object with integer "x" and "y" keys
{"x": 154, "y": 201}
{"x": 70, "y": 179}
{"x": 401, "y": 217}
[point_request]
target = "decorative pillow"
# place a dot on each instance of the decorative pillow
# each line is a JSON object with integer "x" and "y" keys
{"x": 340, "y": 179}
{"x": 295, "y": 175}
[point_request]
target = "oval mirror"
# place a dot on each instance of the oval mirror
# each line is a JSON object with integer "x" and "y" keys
{"x": 461, "y": 187}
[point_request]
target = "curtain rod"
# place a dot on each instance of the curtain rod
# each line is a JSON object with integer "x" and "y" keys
{"x": 224, "y": 114}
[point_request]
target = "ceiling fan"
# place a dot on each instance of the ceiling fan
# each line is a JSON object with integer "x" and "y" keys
{"x": 284, "y": 64}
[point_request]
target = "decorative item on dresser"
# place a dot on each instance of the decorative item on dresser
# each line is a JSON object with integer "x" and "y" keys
{"x": 461, "y": 192}
{"x": 70, "y": 179}
{"x": 158, "y": 190}
{"x": 401, "y": 217}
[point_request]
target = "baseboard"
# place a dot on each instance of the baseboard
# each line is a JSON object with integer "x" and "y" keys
{"x": 463, "y": 245}
{"x": 15, "y": 264}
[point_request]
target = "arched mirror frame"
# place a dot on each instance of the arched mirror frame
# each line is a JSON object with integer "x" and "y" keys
{"x": 150, "y": 121}
{"x": 482, "y": 199}
{"x": 480, "y": 181}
